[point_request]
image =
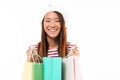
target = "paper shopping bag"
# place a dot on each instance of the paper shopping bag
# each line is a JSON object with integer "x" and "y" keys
{"x": 71, "y": 68}
{"x": 37, "y": 71}
{"x": 32, "y": 71}
{"x": 27, "y": 72}
{"x": 52, "y": 68}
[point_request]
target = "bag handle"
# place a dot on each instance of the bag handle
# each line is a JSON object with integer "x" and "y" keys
{"x": 71, "y": 52}
{"x": 36, "y": 55}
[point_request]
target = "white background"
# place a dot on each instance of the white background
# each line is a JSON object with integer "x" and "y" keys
{"x": 94, "y": 25}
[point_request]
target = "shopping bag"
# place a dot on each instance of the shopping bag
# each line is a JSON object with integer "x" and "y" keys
{"x": 52, "y": 68}
{"x": 27, "y": 72}
{"x": 71, "y": 68}
{"x": 37, "y": 71}
{"x": 33, "y": 70}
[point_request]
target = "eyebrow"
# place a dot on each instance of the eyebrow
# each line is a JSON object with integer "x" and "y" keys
{"x": 50, "y": 18}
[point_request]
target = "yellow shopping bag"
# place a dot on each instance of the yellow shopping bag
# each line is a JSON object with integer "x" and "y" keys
{"x": 27, "y": 72}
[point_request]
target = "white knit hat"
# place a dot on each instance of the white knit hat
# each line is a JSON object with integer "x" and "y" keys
{"x": 51, "y": 8}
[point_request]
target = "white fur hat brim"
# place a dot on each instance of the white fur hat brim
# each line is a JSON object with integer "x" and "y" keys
{"x": 51, "y": 8}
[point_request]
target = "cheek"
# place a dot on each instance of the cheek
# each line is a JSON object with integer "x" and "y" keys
{"x": 45, "y": 26}
{"x": 45, "y": 29}
{"x": 58, "y": 25}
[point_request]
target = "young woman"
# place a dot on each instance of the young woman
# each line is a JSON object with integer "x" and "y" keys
{"x": 53, "y": 38}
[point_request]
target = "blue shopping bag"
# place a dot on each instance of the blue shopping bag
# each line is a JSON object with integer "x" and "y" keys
{"x": 52, "y": 68}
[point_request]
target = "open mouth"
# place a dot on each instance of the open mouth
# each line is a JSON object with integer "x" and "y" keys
{"x": 52, "y": 30}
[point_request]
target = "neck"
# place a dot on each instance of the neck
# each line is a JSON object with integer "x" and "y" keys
{"x": 53, "y": 43}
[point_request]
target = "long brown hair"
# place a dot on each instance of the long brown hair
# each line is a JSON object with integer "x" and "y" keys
{"x": 62, "y": 39}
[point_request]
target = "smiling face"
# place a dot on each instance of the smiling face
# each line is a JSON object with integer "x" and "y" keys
{"x": 52, "y": 25}
{"x": 53, "y": 29}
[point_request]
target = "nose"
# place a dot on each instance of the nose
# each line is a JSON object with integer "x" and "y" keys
{"x": 52, "y": 24}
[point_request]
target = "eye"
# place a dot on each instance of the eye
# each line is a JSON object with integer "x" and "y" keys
{"x": 57, "y": 20}
{"x": 47, "y": 20}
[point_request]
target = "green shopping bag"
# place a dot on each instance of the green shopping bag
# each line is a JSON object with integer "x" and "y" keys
{"x": 52, "y": 68}
{"x": 37, "y": 71}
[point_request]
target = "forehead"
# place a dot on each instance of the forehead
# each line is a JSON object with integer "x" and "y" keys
{"x": 51, "y": 15}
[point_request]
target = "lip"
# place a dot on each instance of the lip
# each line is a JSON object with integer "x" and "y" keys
{"x": 52, "y": 30}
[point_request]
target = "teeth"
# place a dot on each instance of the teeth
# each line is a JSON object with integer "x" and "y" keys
{"x": 52, "y": 30}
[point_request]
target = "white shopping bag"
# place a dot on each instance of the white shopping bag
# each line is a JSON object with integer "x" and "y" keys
{"x": 71, "y": 68}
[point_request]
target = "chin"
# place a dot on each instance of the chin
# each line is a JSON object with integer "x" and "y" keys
{"x": 53, "y": 37}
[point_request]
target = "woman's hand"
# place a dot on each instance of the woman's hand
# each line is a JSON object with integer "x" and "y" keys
{"x": 75, "y": 52}
{"x": 31, "y": 54}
